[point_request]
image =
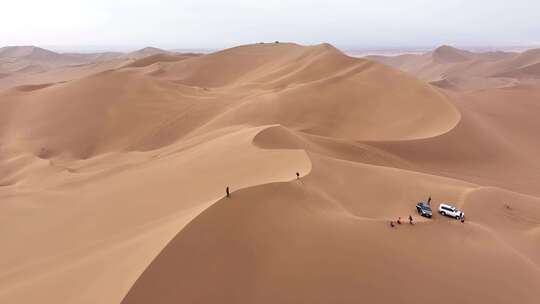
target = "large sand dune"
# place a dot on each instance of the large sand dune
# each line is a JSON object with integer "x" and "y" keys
{"x": 113, "y": 175}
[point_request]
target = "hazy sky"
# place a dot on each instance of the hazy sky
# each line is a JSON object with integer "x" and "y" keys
{"x": 216, "y": 24}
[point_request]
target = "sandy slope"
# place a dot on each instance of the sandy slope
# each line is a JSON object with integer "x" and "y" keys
{"x": 112, "y": 178}
{"x": 494, "y": 143}
{"x": 324, "y": 248}
{"x": 120, "y": 216}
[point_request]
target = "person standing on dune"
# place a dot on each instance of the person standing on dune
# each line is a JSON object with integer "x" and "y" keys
{"x": 429, "y": 201}
{"x": 227, "y": 191}
{"x": 411, "y": 220}
{"x": 297, "y": 175}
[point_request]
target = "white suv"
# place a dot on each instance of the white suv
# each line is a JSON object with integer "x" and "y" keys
{"x": 450, "y": 211}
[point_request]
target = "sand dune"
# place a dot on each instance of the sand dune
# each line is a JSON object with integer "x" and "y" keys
{"x": 113, "y": 176}
{"x": 156, "y": 58}
{"x": 22, "y": 65}
{"x": 105, "y": 235}
{"x": 484, "y": 70}
{"x": 96, "y": 57}
{"x": 292, "y": 85}
{"x": 28, "y": 59}
{"x": 145, "y": 52}
{"x": 102, "y": 109}
{"x": 448, "y": 54}
{"x": 319, "y": 252}
{"x": 528, "y": 71}
{"x": 33, "y": 54}
{"x": 328, "y": 246}
{"x": 492, "y": 144}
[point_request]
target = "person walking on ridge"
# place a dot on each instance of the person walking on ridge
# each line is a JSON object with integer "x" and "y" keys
{"x": 227, "y": 191}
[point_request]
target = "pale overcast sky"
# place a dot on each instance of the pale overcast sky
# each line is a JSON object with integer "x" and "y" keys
{"x": 217, "y": 24}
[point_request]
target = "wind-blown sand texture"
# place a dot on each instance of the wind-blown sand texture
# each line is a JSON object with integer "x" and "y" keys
{"x": 113, "y": 171}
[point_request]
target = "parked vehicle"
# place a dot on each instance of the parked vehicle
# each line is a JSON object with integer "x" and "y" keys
{"x": 451, "y": 211}
{"x": 424, "y": 209}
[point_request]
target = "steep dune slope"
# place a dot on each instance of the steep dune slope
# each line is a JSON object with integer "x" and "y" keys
{"x": 332, "y": 243}
{"x": 95, "y": 114}
{"x": 121, "y": 211}
{"x": 494, "y": 143}
{"x": 357, "y": 104}
{"x": 294, "y": 85}
{"x": 318, "y": 254}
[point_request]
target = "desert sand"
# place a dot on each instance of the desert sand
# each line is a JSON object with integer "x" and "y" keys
{"x": 113, "y": 169}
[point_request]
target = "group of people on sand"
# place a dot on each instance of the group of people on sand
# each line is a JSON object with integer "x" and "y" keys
{"x": 399, "y": 222}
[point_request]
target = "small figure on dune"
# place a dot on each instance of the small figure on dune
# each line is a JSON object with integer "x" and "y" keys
{"x": 429, "y": 201}
{"x": 297, "y": 175}
{"x": 399, "y": 220}
{"x": 392, "y": 224}
{"x": 411, "y": 220}
{"x": 227, "y": 191}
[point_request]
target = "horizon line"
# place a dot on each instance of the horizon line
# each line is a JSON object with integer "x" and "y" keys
{"x": 66, "y": 48}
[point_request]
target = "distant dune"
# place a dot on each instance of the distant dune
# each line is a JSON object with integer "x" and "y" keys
{"x": 147, "y": 51}
{"x": 529, "y": 71}
{"x": 156, "y": 58}
{"x": 21, "y": 65}
{"x": 448, "y": 64}
{"x": 31, "y": 53}
{"x": 448, "y": 54}
{"x": 113, "y": 170}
